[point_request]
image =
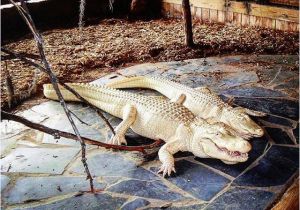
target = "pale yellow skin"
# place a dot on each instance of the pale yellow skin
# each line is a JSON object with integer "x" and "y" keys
{"x": 157, "y": 118}
{"x": 201, "y": 101}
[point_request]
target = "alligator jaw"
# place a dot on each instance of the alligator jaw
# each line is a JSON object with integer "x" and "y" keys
{"x": 238, "y": 156}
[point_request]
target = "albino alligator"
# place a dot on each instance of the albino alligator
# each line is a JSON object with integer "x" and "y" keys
{"x": 201, "y": 101}
{"x": 157, "y": 118}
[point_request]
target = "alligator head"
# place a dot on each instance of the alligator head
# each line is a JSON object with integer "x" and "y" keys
{"x": 238, "y": 118}
{"x": 216, "y": 141}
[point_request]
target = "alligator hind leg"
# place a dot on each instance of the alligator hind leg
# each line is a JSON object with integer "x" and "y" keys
{"x": 129, "y": 116}
{"x": 203, "y": 89}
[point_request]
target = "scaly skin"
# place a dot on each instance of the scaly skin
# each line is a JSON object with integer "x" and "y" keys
{"x": 158, "y": 118}
{"x": 201, "y": 101}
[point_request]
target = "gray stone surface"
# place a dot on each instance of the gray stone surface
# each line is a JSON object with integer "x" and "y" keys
{"x": 38, "y": 160}
{"x": 35, "y": 163}
{"x": 113, "y": 164}
{"x": 180, "y": 207}
{"x": 7, "y": 144}
{"x": 204, "y": 186}
{"x": 33, "y": 116}
{"x": 52, "y": 108}
{"x": 147, "y": 189}
{"x": 4, "y": 180}
{"x": 239, "y": 198}
{"x": 60, "y": 122}
{"x": 134, "y": 204}
{"x": 10, "y": 129}
{"x": 86, "y": 201}
{"x": 36, "y": 188}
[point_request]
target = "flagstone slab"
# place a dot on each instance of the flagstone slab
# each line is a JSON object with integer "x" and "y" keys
{"x": 61, "y": 122}
{"x": 276, "y": 75}
{"x": 282, "y": 107}
{"x": 52, "y": 108}
{"x": 136, "y": 203}
{"x": 38, "y": 160}
{"x": 278, "y": 165}
{"x": 4, "y": 180}
{"x": 181, "y": 207}
{"x": 253, "y": 92}
{"x": 33, "y": 116}
{"x": 85, "y": 201}
{"x": 198, "y": 180}
{"x": 36, "y": 188}
{"x": 8, "y": 144}
{"x": 10, "y": 129}
{"x": 216, "y": 83}
{"x": 279, "y": 136}
{"x": 277, "y": 120}
{"x": 147, "y": 189}
{"x": 104, "y": 163}
{"x": 239, "y": 198}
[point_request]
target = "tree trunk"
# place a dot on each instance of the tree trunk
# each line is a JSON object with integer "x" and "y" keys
{"x": 187, "y": 23}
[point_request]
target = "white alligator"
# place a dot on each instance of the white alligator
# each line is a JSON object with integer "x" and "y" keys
{"x": 203, "y": 102}
{"x": 157, "y": 118}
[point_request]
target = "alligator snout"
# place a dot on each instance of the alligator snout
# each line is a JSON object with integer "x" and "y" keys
{"x": 244, "y": 146}
{"x": 259, "y": 132}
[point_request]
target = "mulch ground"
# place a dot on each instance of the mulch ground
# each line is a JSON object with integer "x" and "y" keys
{"x": 114, "y": 43}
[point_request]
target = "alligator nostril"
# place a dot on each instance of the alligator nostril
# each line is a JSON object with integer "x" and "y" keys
{"x": 248, "y": 146}
{"x": 260, "y": 132}
{"x": 245, "y": 147}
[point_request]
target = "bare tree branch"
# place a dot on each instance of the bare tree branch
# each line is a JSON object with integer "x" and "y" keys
{"x": 27, "y": 18}
{"x": 9, "y": 86}
{"x": 81, "y": 15}
{"x": 188, "y": 28}
{"x": 58, "y": 134}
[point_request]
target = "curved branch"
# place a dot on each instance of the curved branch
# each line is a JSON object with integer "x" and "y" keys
{"x": 58, "y": 134}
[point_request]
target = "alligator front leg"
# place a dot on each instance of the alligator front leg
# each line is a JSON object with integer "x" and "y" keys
{"x": 129, "y": 116}
{"x": 165, "y": 155}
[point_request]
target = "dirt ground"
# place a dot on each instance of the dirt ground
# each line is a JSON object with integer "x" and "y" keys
{"x": 112, "y": 44}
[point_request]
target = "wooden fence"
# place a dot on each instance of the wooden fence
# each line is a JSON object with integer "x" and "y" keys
{"x": 239, "y": 13}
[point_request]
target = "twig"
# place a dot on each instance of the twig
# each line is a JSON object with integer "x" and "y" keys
{"x": 188, "y": 27}
{"x": 276, "y": 75}
{"x": 81, "y": 16}
{"x": 58, "y": 134}
{"x": 41, "y": 68}
{"x": 9, "y": 86}
{"x": 27, "y": 18}
{"x": 78, "y": 118}
{"x": 230, "y": 100}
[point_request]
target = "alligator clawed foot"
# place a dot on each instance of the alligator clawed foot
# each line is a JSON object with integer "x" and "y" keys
{"x": 117, "y": 140}
{"x": 167, "y": 168}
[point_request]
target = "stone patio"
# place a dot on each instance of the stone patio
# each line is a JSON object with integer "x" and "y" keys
{"x": 40, "y": 172}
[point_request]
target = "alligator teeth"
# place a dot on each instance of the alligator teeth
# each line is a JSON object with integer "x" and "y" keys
{"x": 233, "y": 153}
